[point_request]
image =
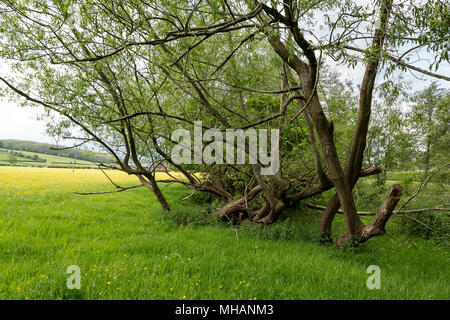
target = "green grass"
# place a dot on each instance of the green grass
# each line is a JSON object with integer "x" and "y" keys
{"x": 4, "y": 156}
{"x": 44, "y": 229}
{"x": 51, "y": 159}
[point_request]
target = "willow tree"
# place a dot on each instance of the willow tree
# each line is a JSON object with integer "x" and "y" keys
{"x": 129, "y": 72}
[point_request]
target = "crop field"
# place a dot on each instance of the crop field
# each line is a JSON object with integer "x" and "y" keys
{"x": 127, "y": 248}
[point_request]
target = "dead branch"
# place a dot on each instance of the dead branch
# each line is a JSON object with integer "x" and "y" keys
{"x": 442, "y": 207}
{"x": 120, "y": 189}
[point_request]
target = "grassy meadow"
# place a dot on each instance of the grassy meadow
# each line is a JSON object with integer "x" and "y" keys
{"x": 127, "y": 249}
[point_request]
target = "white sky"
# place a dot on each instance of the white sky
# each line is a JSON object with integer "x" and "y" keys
{"x": 20, "y": 123}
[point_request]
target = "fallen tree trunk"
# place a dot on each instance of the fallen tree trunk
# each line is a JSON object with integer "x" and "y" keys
{"x": 268, "y": 213}
{"x": 368, "y": 213}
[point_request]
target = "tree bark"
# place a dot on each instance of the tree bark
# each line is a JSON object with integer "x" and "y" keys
{"x": 377, "y": 226}
{"x": 356, "y": 153}
{"x": 150, "y": 182}
{"x": 308, "y": 74}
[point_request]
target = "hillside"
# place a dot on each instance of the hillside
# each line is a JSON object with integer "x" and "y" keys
{"x": 46, "y": 149}
{"x": 10, "y": 157}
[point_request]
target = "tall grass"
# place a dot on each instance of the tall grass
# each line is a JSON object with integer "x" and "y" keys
{"x": 128, "y": 249}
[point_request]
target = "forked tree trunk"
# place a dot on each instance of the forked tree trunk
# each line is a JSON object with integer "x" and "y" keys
{"x": 343, "y": 179}
{"x": 377, "y": 226}
{"x": 356, "y": 153}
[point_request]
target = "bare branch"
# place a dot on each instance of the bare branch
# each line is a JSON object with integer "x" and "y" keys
{"x": 121, "y": 189}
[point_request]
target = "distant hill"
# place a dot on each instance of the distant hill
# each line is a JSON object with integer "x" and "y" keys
{"x": 45, "y": 148}
{"x": 9, "y": 157}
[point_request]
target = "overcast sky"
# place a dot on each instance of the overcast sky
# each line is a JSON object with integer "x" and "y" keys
{"x": 21, "y": 123}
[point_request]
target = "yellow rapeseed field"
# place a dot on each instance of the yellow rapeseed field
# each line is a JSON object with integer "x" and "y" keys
{"x": 22, "y": 179}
